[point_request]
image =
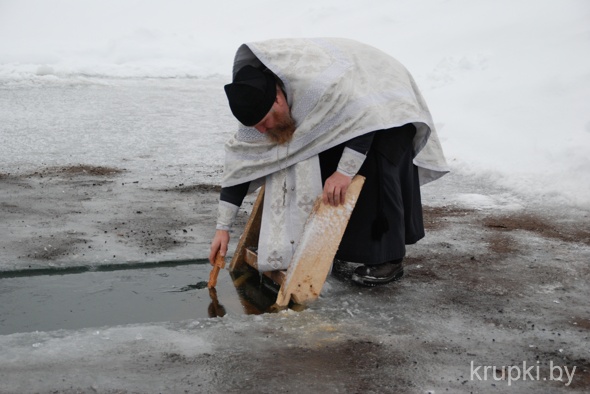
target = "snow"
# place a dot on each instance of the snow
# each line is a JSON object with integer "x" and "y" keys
{"x": 508, "y": 90}
{"x": 488, "y": 202}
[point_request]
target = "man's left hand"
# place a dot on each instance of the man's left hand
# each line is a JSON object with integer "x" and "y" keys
{"x": 335, "y": 188}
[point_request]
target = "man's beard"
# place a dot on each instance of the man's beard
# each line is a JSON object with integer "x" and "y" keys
{"x": 283, "y": 132}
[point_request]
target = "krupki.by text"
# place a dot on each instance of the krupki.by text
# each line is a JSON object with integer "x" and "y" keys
{"x": 524, "y": 372}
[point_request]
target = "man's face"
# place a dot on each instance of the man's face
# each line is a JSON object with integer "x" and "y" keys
{"x": 278, "y": 124}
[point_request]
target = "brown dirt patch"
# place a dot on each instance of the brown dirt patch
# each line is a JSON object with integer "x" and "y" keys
{"x": 352, "y": 366}
{"x": 537, "y": 225}
{"x": 79, "y": 170}
{"x": 53, "y": 247}
{"x": 198, "y": 188}
{"x": 435, "y": 218}
{"x": 582, "y": 323}
{"x": 419, "y": 269}
{"x": 501, "y": 243}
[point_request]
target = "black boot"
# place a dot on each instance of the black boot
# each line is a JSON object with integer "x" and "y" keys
{"x": 372, "y": 275}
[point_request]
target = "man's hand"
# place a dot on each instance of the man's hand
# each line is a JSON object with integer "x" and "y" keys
{"x": 335, "y": 188}
{"x": 219, "y": 244}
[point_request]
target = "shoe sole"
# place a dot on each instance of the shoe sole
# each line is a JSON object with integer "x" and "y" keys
{"x": 371, "y": 281}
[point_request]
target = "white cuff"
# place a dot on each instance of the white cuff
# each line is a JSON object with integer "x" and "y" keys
{"x": 351, "y": 161}
{"x": 226, "y": 215}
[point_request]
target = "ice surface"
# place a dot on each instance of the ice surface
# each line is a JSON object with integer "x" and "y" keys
{"x": 155, "y": 129}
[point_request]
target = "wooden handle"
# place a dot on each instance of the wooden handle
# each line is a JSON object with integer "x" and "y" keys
{"x": 218, "y": 265}
{"x": 220, "y": 261}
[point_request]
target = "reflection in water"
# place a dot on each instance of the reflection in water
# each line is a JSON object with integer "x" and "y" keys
{"x": 257, "y": 295}
{"x": 215, "y": 308}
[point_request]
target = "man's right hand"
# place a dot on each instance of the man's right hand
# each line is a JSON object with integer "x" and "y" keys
{"x": 219, "y": 244}
{"x": 335, "y": 188}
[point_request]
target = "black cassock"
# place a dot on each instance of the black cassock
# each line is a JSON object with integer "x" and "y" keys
{"x": 388, "y": 213}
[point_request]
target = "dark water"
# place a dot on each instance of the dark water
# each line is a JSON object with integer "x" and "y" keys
{"x": 82, "y": 298}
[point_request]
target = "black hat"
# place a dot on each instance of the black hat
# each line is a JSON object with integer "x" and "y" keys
{"x": 251, "y": 95}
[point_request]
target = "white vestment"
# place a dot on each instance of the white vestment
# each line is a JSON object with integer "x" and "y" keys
{"x": 337, "y": 89}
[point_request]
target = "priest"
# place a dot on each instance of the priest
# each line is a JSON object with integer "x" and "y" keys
{"x": 313, "y": 113}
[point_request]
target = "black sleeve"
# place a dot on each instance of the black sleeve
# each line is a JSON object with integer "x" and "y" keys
{"x": 361, "y": 143}
{"x": 235, "y": 194}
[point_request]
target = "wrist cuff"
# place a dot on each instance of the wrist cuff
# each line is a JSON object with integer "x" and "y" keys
{"x": 226, "y": 215}
{"x": 351, "y": 161}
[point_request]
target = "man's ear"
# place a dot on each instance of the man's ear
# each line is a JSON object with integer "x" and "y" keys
{"x": 281, "y": 99}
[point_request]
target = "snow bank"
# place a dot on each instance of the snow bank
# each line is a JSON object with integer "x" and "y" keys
{"x": 507, "y": 81}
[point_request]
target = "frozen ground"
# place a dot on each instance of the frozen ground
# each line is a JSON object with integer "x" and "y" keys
{"x": 500, "y": 279}
{"x": 496, "y": 282}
